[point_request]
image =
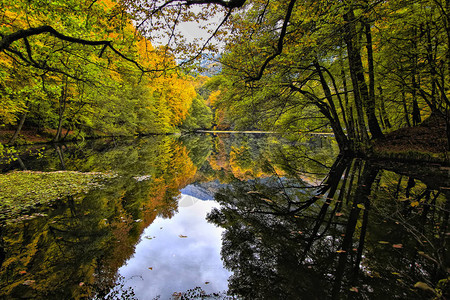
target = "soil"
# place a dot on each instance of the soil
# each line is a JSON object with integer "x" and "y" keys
{"x": 429, "y": 136}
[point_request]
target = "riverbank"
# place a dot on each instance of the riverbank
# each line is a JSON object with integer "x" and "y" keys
{"x": 426, "y": 142}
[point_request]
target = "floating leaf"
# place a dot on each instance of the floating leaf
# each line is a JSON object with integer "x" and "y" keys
{"x": 341, "y": 251}
{"x": 383, "y": 242}
{"x": 29, "y": 282}
{"x": 150, "y": 268}
{"x": 398, "y": 246}
{"x": 354, "y": 289}
{"x": 81, "y": 284}
{"x": 22, "y": 272}
{"x": 182, "y": 236}
{"x": 206, "y": 282}
{"x": 423, "y": 286}
{"x": 361, "y": 206}
{"x": 338, "y": 214}
{"x": 415, "y": 203}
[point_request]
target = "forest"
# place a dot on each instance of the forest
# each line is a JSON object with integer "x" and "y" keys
{"x": 358, "y": 69}
{"x": 316, "y": 134}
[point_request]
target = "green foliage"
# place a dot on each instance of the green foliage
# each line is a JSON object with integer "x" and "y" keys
{"x": 199, "y": 116}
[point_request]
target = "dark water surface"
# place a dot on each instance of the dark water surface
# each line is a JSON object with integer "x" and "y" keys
{"x": 231, "y": 217}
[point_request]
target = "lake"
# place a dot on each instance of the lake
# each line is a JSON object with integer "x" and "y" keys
{"x": 229, "y": 216}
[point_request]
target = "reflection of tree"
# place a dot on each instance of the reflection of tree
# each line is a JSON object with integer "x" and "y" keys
{"x": 287, "y": 240}
{"x": 75, "y": 251}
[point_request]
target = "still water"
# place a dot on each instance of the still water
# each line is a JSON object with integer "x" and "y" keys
{"x": 230, "y": 217}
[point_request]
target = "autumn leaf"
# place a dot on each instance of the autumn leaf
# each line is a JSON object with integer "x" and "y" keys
{"x": 398, "y": 246}
{"x": 182, "y": 236}
{"x": 415, "y": 203}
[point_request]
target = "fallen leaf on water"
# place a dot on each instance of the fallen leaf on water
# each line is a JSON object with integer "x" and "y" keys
{"x": 361, "y": 206}
{"x": 341, "y": 251}
{"x": 383, "y": 242}
{"x": 29, "y": 282}
{"x": 423, "y": 286}
{"x": 22, "y": 272}
{"x": 150, "y": 268}
{"x": 206, "y": 282}
{"x": 398, "y": 246}
{"x": 81, "y": 284}
{"x": 338, "y": 214}
{"x": 415, "y": 203}
{"x": 182, "y": 236}
{"x": 354, "y": 289}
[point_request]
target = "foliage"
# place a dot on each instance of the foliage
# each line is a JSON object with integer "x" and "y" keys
{"x": 48, "y": 82}
{"x": 346, "y": 66}
{"x": 199, "y": 116}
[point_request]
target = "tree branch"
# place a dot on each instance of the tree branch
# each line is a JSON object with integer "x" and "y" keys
{"x": 7, "y": 40}
{"x": 279, "y": 48}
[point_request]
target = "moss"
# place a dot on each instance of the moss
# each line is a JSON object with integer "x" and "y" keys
{"x": 25, "y": 191}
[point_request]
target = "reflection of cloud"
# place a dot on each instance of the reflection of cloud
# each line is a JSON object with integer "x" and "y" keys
{"x": 187, "y": 200}
{"x": 178, "y": 264}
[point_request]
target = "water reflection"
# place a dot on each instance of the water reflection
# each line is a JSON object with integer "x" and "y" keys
{"x": 365, "y": 233}
{"x": 295, "y": 222}
{"x": 176, "y": 255}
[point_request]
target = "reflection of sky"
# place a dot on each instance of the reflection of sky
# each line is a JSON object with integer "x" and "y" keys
{"x": 177, "y": 263}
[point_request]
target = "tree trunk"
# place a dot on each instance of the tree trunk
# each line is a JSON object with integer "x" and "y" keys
{"x": 405, "y": 107}
{"x": 384, "y": 115}
{"x": 61, "y": 109}
{"x": 19, "y": 127}
{"x": 360, "y": 88}
{"x": 345, "y": 145}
